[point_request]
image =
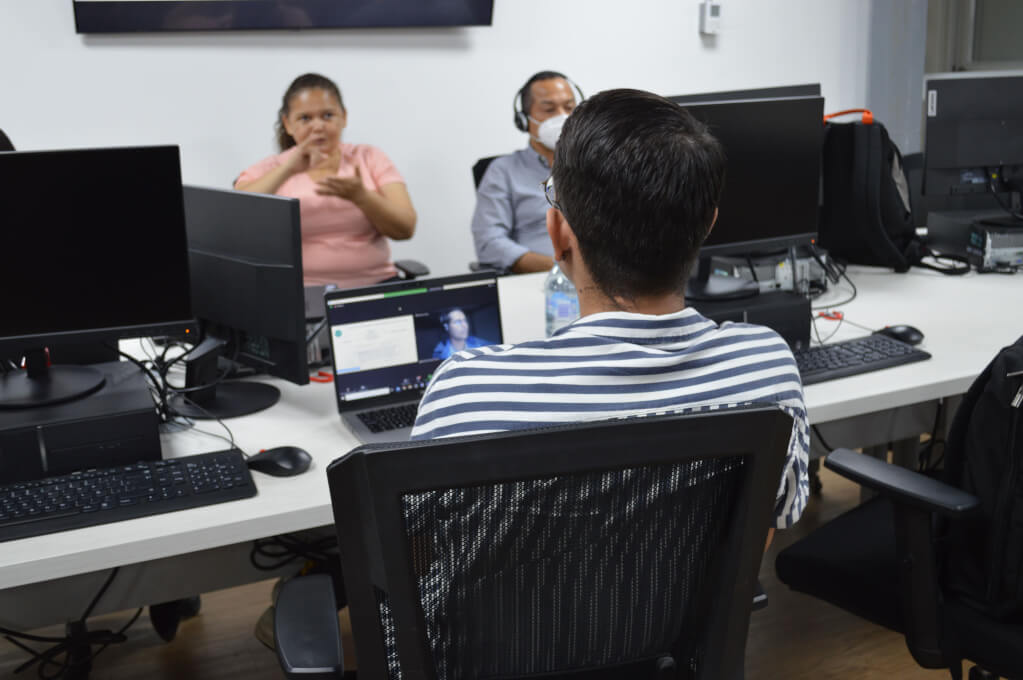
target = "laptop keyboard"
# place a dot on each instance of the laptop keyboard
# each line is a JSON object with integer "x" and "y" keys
{"x": 852, "y": 357}
{"x": 391, "y": 418}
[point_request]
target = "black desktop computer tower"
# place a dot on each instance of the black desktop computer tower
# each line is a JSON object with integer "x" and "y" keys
{"x": 788, "y": 314}
{"x": 116, "y": 425}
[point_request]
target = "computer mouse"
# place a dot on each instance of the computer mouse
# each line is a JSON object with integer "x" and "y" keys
{"x": 282, "y": 461}
{"x": 904, "y": 333}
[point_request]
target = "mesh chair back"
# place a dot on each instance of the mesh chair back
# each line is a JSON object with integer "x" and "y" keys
{"x": 611, "y": 545}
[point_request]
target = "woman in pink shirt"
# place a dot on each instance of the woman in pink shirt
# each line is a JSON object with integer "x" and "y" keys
{"x": 352, "y": 198}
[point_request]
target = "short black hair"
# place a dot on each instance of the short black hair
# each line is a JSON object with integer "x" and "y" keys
{"x": 526, "y": 92}
{"x": 638, "y": 178}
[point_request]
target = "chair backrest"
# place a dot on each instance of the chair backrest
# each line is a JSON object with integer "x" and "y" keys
{"x": 479, "y": 169}
{"x": 620, "y": 544}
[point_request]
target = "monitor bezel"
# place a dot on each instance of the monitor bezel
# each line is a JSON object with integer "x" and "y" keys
{"x": 784, "y": 93}
{"x": 15, "y": 346}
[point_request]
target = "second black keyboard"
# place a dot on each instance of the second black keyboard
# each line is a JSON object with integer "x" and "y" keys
{"x": 390, "y": 418}
{"x": 104, "y": 495}
{"x": 852, "y": 357}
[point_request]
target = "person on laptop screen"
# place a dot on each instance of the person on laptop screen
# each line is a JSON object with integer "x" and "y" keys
{"x": 634, "y": 191}
{"x": 456, "y": 335}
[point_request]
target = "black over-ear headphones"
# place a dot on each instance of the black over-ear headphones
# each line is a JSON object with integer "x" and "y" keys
{"x": 522, "y": 117}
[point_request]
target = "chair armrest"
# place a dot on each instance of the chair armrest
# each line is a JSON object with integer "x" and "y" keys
{"x": 901, "y": 485}
{"x": 411, "y": 269}
{"x": 306, "y": 629}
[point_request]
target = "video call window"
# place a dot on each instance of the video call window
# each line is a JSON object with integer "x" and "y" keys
{"x": 438, "y": 336}
{"x": 388, "y": 343}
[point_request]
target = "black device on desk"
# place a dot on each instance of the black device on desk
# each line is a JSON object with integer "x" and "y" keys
{"x": 245, "y": 257}
{"x": 104, "y": 259}
{"x": 772, "y": 140}
{"x": 111, "y": 494}
{"x": 88, "y": 266}
{"x": 973, "y": 166}
{"x": 79, "y": 445}
{"x": 853, "y": 357}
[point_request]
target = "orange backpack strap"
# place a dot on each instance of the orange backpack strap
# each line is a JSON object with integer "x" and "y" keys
{"x": 867, "y": 118}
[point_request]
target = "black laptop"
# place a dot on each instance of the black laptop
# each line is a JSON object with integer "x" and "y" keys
{"x": 387, "y": 340}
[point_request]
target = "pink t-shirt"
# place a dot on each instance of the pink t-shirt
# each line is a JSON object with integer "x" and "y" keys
{"x": 339, "y": 244}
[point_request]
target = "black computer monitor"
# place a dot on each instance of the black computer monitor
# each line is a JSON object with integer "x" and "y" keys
{"x": 94, "y": 250}
{"x": 974, "y": 138}
{"x": 245, "y": 253}
{"x": 772, "y": 140}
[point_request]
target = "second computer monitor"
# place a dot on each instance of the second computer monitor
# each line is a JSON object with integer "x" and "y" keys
{"x": 772, "y": 140}
{"x": 772, "y": 182}
{"x": 245, "y": 256}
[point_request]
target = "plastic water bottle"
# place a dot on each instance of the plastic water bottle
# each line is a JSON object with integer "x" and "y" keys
{"x": 562, "y": 300}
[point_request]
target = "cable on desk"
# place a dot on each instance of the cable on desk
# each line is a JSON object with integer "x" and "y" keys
{"x": 837, "y": 317}
{"x": 189, "y": 424}
{"x": 994, "y": 192}
{"x": 288, "y": 548}
{"x": 843, "y": 302}
{"x": 72, "y": 644}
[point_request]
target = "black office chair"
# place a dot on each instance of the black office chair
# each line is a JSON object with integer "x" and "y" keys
{"x": 889, "y": 560}
{"x": 625, "y": 548}
{"x": 479, "y": 169}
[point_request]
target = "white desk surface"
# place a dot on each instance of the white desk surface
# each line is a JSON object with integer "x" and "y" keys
{"x": 965, "y": 321}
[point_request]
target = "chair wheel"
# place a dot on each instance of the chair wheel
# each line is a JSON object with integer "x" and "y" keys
{"x": 978, "y": 673}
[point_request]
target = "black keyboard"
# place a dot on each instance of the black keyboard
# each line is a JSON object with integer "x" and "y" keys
{"x": 391, "y": 418}
{"x": 852, "y": 357}
{"x": 89, "y": 497}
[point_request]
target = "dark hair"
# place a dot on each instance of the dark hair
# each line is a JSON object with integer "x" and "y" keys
{"x": 526, "y": 91}
{"x": 308, "y": 81}
{"x": 638, "y": 179}
{"x": 445, "y": 317}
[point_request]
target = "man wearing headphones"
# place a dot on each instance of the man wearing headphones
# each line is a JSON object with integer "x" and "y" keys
{"x": 509, "y": 224}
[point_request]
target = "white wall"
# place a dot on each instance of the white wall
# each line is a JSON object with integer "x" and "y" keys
{"x": 434, "y": 100}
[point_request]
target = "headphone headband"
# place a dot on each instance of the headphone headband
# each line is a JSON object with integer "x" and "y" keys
{"x": 522, "y": 117}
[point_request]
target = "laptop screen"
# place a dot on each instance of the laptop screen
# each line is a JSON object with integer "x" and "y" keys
{"x": 386, "y": 341}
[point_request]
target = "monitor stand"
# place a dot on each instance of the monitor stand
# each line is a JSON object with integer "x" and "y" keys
{"x": 706, "y": 286}
{"x": 205, "y": 397}
{"x": 41, "y": 384}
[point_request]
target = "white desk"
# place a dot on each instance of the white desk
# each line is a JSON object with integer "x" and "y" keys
{"x": 965, "y": 321}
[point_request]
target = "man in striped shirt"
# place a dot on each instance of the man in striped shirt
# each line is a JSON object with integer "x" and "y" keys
{"x": 634, "y": 192}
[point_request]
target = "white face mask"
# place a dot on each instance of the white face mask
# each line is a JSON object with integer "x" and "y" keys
{"x": 549, "y": 131}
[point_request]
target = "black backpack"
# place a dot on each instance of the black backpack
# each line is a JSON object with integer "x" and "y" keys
{"x": 984, "y": 456}
{"x": 866, "y": 214}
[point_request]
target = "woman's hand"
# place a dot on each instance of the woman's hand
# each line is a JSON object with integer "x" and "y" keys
{"x": 308, "y": 155}
{"x": 349, "y": 188}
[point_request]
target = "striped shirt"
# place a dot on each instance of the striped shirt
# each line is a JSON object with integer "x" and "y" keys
{"x": 618, "y": 364}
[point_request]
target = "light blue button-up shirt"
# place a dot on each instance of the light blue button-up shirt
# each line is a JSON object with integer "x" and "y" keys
{"x": 511, "y": 212}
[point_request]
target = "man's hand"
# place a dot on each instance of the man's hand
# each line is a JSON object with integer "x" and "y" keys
{"x": 349, "y": 188}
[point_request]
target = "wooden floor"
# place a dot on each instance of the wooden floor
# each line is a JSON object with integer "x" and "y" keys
{"x": 794, "y": 638}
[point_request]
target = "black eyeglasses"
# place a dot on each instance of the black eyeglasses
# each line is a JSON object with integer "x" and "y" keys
{"x": 549, "y": 193}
